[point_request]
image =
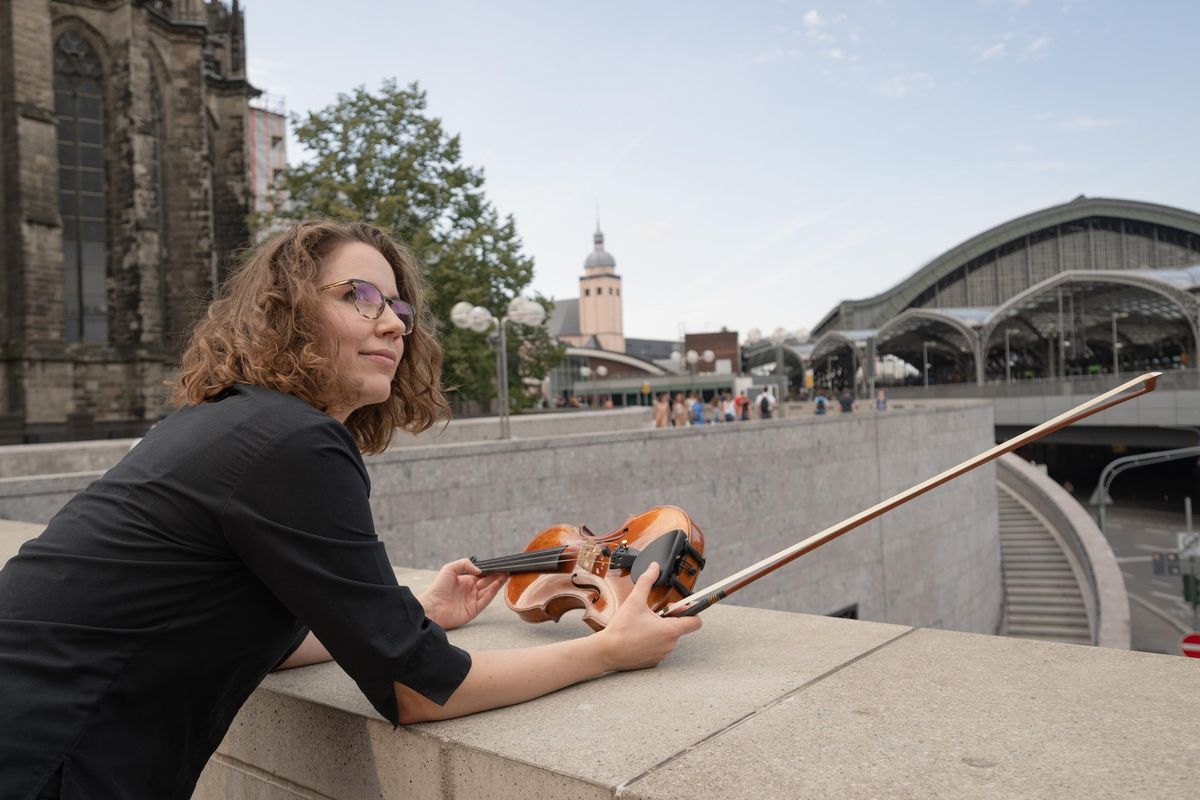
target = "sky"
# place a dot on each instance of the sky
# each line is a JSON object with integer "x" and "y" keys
{"x": 754, "y": 163}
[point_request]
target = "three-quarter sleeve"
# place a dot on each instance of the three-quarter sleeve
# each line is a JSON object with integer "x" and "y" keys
{"x": 299, "y": 518}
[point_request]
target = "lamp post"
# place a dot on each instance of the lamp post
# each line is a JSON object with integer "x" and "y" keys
{"x": 925, "y": 362}
{"x": 1007, "y": 356}
{"x": 601, "y": 372}
{"x": 692, "y": 357}
{"x": 779, "y": 336}
{"x": 585, "y": 372}
{"x": 1117, "y": 345}
{"x": 521, "y": 310}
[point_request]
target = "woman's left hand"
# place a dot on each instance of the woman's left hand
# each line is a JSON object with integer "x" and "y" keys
{"x": 459, "y": 593}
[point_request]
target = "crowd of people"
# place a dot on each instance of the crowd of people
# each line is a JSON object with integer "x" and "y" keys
{"x": 691, "y": 408}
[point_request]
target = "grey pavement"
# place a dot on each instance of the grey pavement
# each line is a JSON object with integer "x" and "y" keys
{"x": 1158, "y": 613}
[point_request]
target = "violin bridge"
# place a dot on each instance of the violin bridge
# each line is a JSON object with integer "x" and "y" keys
{"x": 588, "y": 559}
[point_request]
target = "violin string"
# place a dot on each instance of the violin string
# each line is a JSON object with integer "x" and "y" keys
{"x": 550, "y": 558}
{"x": 518, "y": 563}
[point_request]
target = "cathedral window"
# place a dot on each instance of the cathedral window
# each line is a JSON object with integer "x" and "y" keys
{"x": 79, "y": 107}
{"x": 158, "y": 193}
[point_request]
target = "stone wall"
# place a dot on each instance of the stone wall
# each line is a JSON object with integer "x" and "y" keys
{"x": 753, "y": 488}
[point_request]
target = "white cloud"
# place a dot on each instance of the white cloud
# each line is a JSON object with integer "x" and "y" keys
{"x": 904, "y": 85}
{"x": 993, "y": 51}
{"x": 1084, "y": 122}
{"x": 1036, "y": 49}
{"x": 813, "y": 19}
{"x": 1044, "y": 166}
{"x": 836, "y": 54}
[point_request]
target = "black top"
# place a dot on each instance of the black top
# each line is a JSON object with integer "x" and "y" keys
{"x": 137, "y": 624}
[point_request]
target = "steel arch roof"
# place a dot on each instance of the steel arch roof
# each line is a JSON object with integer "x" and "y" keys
{"x": 897, "y": 298}
{"x": 1174, "y": 301}
{"x": 832, "y": 341}
{"x": 965, "y": 321}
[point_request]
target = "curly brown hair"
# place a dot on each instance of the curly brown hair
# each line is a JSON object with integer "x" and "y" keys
{"x": 264, "y": 330}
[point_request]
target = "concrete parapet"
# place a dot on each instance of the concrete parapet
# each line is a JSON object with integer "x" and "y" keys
{"x": 29, "y": 460}
{"x": 532, "y": 425}
{"x": 1104, "y": 587}
{"x": 757, "y": 704}
{"x": 754, "y": 488}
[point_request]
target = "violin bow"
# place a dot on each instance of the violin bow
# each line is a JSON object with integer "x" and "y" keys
{"x": 695, "y": 603}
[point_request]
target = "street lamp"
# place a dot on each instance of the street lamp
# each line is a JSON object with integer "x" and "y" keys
{"x": 779, "y": 336}
{"x": 585, "y": 372}
{"x": 521, "y": 310}
{"x": 691, "y": 357}
{"x": 1117, "y": 345}
{"x": 925, "y": 362}
{"x": 1007, "y": 356}
{"x": 601, "y": 372}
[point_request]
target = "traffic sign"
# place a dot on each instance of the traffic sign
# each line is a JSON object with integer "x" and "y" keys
{"x": 1165, "y": 563}
{"x": 1191, "y": 645}
{"x": 1189, "y": 544}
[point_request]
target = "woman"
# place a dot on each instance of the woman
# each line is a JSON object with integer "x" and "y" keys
{"x": 237, "y": 538}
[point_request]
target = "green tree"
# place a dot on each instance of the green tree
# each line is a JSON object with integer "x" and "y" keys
{"x": 380, "y": 158}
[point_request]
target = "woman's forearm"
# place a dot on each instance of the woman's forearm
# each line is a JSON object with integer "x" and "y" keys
{"x": 505, "y": 677}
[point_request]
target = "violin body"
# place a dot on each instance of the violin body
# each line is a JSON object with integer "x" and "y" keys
{"x": 568, "y": 567}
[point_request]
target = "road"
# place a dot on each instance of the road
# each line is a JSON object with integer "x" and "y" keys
{"x": 1158, "y": 613}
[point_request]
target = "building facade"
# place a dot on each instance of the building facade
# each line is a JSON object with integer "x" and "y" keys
{"x": 124, "y": 190}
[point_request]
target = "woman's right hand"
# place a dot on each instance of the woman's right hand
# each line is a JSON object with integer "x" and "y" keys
{"x": 637, "y": 637}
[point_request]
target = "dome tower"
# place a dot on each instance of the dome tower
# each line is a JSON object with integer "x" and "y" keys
{"x": 600, "y": 297}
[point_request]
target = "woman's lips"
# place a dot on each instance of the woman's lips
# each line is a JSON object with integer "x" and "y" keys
{"x": 383, "y": 356}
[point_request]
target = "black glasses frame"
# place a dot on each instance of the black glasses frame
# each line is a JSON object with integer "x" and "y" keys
{"x": 401, "y": 308}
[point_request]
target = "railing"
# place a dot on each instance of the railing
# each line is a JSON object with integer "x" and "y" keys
{"x": 1104, "y": 592}
{"x": 1171, "y": 380}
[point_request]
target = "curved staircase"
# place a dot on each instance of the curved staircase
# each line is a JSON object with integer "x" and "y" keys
{"x": 1041, "y": 586}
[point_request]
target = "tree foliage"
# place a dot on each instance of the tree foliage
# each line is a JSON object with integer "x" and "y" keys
{"x": 380, "y": 158}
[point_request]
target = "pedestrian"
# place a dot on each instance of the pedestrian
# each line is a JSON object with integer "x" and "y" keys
{"x": 742, "y": 405}
{"x": 727, "y": 407}
{"x": 662, "y": 410}
{"x": 698, "y": 410}
{"x": 766, "y": 404}
{"x": 680, "y": 411}
{"x": 846, "y": 401}
{"x": 820, "y": 403}
{"x": 237, "y": 538}
{"x": 880, "y": 400}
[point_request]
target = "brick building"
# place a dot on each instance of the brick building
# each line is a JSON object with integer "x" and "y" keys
{"x": 123, "y": 191}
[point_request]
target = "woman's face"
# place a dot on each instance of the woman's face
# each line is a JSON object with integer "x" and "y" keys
{"x": 365, "y": 351}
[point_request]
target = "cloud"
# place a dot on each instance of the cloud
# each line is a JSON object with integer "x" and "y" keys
{"x": 1084, "y": 122}
{"x": 775, "y": 53}
{"x": 993, "y": 51}
{"x": 1043, "y": 166}
{"x": 1035, "y": 49}
{"x": 813, "y": 19}
{"x": 904, "y": 85}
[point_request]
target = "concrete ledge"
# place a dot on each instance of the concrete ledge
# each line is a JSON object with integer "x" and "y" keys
{"x": 758, "y": 704}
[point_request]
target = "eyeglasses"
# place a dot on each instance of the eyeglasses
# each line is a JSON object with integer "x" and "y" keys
{"x": 369, "y": 301}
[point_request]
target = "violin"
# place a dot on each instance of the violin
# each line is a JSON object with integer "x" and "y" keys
{"x": 568, "y": 567}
